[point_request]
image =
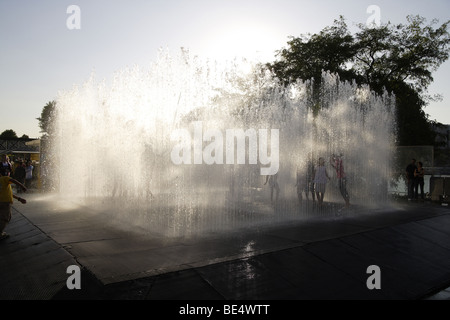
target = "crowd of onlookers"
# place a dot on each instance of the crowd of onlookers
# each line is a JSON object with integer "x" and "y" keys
{"x": 19, "y": 169}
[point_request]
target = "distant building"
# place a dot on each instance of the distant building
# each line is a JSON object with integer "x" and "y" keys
{"x": 442, "y": 149}
{"x": 443, "y": 135}
{"x": 23, "y": 148}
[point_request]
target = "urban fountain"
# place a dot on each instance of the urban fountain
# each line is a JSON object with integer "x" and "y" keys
{"x": 182, "y": 147}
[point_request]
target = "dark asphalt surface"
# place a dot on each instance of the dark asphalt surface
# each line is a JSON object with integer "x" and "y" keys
{"x": 325, "y": 259}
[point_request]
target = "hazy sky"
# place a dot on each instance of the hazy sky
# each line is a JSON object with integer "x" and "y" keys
{"x": 40, "y": 55}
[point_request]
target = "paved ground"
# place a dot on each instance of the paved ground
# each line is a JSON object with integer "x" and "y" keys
{"x": 319, "y": 259}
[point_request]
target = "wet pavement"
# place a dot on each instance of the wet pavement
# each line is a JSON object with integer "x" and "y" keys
{"x": 309, "y": 259}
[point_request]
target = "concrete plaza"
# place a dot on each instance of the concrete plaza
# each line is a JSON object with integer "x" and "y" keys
{"x": 313, "y": 259}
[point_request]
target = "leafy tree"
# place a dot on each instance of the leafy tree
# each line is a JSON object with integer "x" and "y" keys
{"x": 307, "y": 55}
{"x": 397, "y": 58}
{"x": 47, "y": 118}
{"x": 8, "y": 134}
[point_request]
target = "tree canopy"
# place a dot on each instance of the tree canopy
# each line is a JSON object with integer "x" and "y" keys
{"x": 398, "y": 58}
{"x": 46, "y": 120}
{"x": 8, "y": 134}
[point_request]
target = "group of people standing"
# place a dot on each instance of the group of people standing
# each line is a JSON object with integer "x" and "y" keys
{"x": 415, "y": 179}
{"x": 21, "y": 170}
{"x": 314, "y": 179}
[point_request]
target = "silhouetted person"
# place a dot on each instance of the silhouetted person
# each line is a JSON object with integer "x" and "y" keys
{"x": 310, "y": 171}
{"x": 338, "y": 164}
{"x": 419, "y": 181}
{"x": 410, "y": 169}
{"x": 273, "y": 184}
{"x": 321, "y": 178}
{"x": 300, "y": 185}
{"x": 5, "y": 166}
{"x": 19, "y": 174}
{"x": 305, "y": 181}
{"x": 28, "y": 174}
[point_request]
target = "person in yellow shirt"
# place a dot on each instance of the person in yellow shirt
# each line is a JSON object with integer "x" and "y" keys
{"x": 6, "y": 201}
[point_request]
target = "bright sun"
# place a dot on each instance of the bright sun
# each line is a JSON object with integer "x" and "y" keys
{"x": 244, "y": 40}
